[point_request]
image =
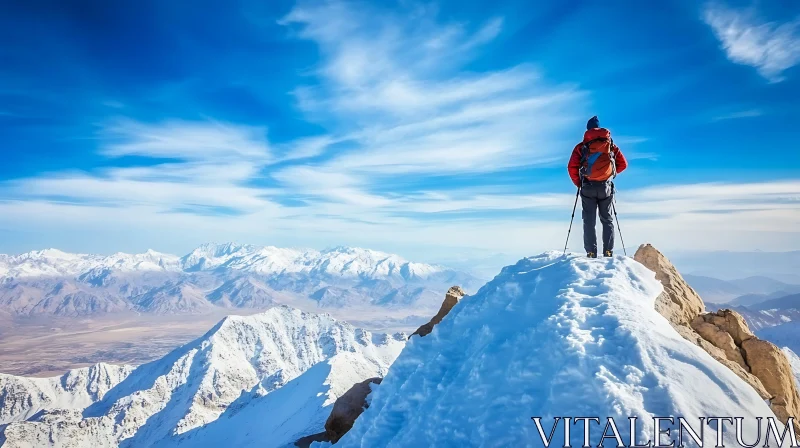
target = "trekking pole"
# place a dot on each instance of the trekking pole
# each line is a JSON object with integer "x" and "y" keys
{"x": 622, "y": 240}
{"x": 572, "y": 219}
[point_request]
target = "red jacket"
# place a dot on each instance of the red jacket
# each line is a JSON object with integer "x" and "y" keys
{"x": 574, "y": 165}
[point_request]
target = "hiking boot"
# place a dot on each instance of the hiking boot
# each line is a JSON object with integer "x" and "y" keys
{"x": 608, "y": 253}
{"x": 591, "y": 254}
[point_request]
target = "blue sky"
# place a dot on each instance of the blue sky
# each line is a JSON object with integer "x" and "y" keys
{"x": 427, "y": 129}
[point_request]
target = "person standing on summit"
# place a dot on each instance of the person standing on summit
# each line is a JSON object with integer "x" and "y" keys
{"x": 593, "y": 165}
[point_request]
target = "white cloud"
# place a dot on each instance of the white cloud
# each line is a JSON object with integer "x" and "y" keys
{"x": 737, "y": 216}
{"x": 186, "y": 140}
{"x": 770, "y": 47}
{"x": 748, "y": 113}
{"x": 209, "y": 165}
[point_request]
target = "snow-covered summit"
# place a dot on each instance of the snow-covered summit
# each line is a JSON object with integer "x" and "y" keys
{"x": 551, "y": 336}
{"x": 236, "y": 365}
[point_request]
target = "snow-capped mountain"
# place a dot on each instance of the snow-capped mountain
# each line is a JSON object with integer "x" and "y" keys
{"x": 768, "y": 313}
{"x": 22, "y": 397}
{"x": 551, "y": 336}
{"x": 265, "y": 379}
{"x": 217, "y": 275}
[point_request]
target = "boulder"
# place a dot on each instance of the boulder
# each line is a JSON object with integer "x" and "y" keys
{"x": 347, "y": 408}
{"x": 725, "y": 336}
{"x": 451, "y": 298}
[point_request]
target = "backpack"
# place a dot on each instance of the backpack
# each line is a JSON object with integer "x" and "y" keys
{"x": 598, "y": 160}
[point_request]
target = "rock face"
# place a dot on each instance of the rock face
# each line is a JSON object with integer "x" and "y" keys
{"x": 454, "y": 294}
{"x": 725, "y": 336}
{"x": 679, "y": 303}
{"x": 769, "y": 364}
{"x": 347, "y": 409}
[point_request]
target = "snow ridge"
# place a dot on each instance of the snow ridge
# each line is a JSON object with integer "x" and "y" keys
{"x": 550, "y": 336}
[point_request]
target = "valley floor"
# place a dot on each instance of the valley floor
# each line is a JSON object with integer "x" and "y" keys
{"x": 49, "y": 347}
{"x": 46, "y": 347}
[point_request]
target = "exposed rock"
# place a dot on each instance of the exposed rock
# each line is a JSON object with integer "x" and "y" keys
{"x": 770, "y": 365}
{"x": 679, "y": 303}
{"x": 451, "y": 298}
{"x": 725, "y": 336}
{"x": 347, "y": 409}
{"x": 715, "y": 328}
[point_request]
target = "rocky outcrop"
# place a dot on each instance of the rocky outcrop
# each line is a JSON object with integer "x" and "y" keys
{"x": 770, "y": 365}
{"x": 347, "y": 409}
{"x": 679, "y": 303}
{"x": 725, "y": 336}
{"x": 451, "y": 298}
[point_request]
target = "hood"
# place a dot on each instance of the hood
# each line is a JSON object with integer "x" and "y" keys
{"x": 594, "y": 133}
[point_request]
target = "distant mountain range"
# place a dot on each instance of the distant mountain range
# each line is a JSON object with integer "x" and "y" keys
{"x": 763, "y": 301}
{"x": 744, "y": 291}
{"x": 52, "y": 282}
{"x": 769, "y": 313}
{"x": 730, "y": 265}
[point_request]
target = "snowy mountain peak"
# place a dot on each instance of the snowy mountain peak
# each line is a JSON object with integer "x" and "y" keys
{"x": 201, "y": 389}
{"x": 479, "y": 377}
{"x": 21, "y": 398}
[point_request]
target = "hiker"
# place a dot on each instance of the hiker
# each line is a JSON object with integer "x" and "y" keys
{"x": 593, "y": 165}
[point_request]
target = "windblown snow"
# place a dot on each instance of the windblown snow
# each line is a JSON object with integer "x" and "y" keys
{"x": 550, "y": 336}
{"x": 263, "y": 380}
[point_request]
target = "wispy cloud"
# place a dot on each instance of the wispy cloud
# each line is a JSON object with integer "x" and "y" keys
{"x": 749, "y": 113}
{"x": 770, "y": 47}
{"x": 186, "y": 166}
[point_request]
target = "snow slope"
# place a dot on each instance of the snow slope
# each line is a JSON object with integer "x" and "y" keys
{"x": 550, "y": 336}
{"x": 218, "y": 382}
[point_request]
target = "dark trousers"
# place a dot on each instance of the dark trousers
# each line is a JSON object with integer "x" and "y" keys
{"x": 597, "y": 196}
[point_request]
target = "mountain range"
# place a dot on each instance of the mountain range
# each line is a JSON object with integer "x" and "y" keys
{"x": 743, "y": 291}
{"x": 214, "y": 276}
{"x": 260, "y": 380}
{"x": 270, "y": 379}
